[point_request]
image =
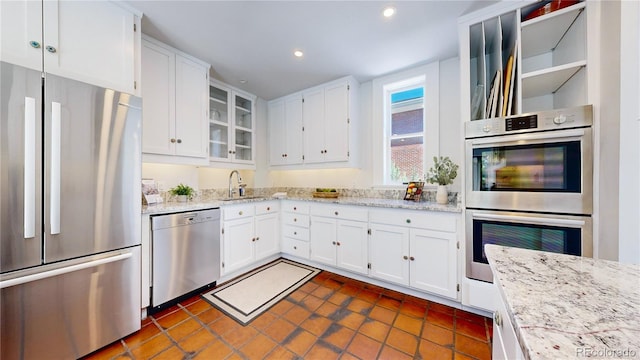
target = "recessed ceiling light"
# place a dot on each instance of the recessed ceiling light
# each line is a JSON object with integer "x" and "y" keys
{"x": 298, "y": 53}
{"x": 243, "y": 81}
{"x": 389, "y": 11}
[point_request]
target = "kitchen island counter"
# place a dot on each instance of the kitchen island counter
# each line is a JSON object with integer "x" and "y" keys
{"x": 564, "y": 306}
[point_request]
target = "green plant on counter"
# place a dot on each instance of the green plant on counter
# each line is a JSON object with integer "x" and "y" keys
{"x": 182, "y": 189}
{"x": 325, "y": 190}
{"x": 443, "y": 171}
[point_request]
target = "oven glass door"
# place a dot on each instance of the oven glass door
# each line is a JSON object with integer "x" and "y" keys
{"x": 548, "y": 167}
{"x": 563, "y": 240}
{"x": 564, "y": 234}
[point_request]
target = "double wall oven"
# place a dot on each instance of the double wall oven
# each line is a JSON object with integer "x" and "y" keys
{"x": 529, "y": 184}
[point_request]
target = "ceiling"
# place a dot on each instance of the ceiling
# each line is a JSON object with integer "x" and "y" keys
{"x": 253, "y": 41}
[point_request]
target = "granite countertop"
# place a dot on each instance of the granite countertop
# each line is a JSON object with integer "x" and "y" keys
{"x": 564, "y": 306}
{"x": 370, "y": 202}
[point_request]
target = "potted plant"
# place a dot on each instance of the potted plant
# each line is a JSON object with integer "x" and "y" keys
{"x": 443, "y": 172}
{"x": 182, "y": 192}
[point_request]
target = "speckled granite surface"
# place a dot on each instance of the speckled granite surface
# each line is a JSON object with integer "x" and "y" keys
{"x": 566, "y": 307}
{"x": 168, "y": 207}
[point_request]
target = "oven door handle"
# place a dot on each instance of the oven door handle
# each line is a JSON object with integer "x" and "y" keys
{"x": 564, "y": 134}
{"x": 530, "y": 220}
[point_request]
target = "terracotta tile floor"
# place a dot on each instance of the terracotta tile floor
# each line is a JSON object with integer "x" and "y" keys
{"x": 330, "y": 317}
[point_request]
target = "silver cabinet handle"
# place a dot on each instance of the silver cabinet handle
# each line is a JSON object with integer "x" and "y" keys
{"x": 179, "y": 141}
{"x": 29, "y": 167}
{"x": 55, "y": 168}
{"x": 497, "y": 318}
{"x": 34, "y": 44}
{"x": 51, "y": 49}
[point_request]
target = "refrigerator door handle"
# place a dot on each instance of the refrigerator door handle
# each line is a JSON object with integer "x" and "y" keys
{"x": 55, "y": 168}
{"x": 29, "y": 167}
{"x": 63, "y": 270}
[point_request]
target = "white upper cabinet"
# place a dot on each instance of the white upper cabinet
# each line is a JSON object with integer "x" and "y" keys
{"x": 327, "y": 113}
{"x": 231, "y": 125}
{"x": 175, "y": 106}
{"x": 534, "y": 62}
{"x": 326, "y": 119}
{"x": 97, "y": 42}
{"x": 285, "y": 130}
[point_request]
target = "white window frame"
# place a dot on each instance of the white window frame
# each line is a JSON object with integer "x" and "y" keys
{"x": 382, "y": 87}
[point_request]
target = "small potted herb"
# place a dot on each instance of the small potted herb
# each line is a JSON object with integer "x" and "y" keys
{"x": 182, "y": 192}
{"x": 443, "y": 172}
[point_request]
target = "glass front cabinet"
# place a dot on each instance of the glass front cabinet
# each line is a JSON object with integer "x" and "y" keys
{"x": 231, "y": 125}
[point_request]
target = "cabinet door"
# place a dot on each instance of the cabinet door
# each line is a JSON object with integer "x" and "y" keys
{"x": 336, "y": 122}
{"x": 267, "y": 236}
{"x": 192, "y": 88}
{"x": 158, "y": 107}
{"x": 21, "y": 33}
{"x": 389, "y": 253}
{"x": 351, "y": 241}
{"x": 219, "y": 133}
{"x": 277, "y": 133}
{"x": 322, "y": 236}
{"x": 94, "y": 42}
{"x": 433, "y": 262}
{"x": 238, "y": 243}
{"x": 244, "y": 123}
{"x": 293, "y": 125}
{"x": 313, "y": 119}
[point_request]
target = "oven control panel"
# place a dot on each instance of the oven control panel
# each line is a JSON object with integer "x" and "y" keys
{"x": 581, "y": 116}
{"x": 521, "y": 123}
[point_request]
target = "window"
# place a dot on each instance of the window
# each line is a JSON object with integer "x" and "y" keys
{"x": 404, "y": 119}
{"x": 405, "y": 124}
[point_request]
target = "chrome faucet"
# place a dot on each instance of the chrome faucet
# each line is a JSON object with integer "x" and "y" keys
{"x": 231, "y": 190}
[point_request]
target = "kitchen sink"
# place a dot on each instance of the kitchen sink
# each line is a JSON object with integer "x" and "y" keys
{"x": 242, "y": 198}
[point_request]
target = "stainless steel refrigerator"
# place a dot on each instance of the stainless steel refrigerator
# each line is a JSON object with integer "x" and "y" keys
{"x": 70, "y": 166}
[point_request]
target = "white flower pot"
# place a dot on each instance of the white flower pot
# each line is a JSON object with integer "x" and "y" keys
{"x": 442, "y": 196}
{"x": 182, "y": 198}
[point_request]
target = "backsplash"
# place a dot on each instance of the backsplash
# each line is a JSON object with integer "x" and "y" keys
{"x": 214, "y": 194}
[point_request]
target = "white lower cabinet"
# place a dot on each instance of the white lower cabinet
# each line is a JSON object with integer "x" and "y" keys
{"x": 338, "y": 237}
{"x": 266, "y": 229}
{"x": 249, "y": 234}
{"x": 295, "y": 229}
{"x": 505, "y": 344}
{"x": 405, "y": 249}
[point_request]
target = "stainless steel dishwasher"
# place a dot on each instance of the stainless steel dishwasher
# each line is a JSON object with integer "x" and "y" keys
{"x": 185, "y": 253}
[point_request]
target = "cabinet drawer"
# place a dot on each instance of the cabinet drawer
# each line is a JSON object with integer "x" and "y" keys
{"x": 267, "y": 207}
{"x": 415, "y": 219}
{"x": 295, "y": 232}
{"x": 295, "y": 219}
{"x": 295, "y": 207}
{"x": 340, "y": 212}
{"x": 295, "y": 247}
{"x": 238, "y": 211}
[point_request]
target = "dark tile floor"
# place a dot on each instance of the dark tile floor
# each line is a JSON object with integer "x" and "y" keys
{"x": 330, "y": 317}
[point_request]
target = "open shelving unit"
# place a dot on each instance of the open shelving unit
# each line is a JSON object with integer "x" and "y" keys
{"x": 548, "y": 70}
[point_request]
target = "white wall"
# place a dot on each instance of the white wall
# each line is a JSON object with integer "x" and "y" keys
{"x": 629, "y": 197}
{"x": 609, "y": 134}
